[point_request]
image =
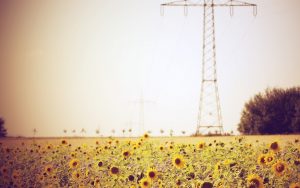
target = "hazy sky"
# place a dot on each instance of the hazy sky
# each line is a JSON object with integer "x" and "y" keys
{"x": 76, "y": 64}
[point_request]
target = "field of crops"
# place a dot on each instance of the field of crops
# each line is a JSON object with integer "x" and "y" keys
{"x": 204, "y": 162}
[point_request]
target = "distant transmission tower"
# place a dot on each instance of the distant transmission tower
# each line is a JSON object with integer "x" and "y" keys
{"x": 142, "y": 103}
{"x": 209, "y": 115}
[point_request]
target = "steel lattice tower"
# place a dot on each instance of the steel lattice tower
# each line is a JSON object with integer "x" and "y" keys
{"x": 209, "y": 114}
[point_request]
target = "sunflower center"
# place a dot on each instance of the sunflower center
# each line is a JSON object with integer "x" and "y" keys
{"x": 254, "y": 183}
{"x": 75, "y": 163}
{"x": 145, "y": 183}
{"x": 274, "y": 145}
{"x": 207, "y": 185}
{"x": 177, "y": 161}
{"x": 48, "y": 169}
{"x": 131, "y": 178}
{"x": 262, "y": 160}
{"x": 114, "y": 170}
{"x": 270, "y": 159}
{"x": 151, "y": 174}
{"x": 280, "y": 168}
{"x": 126, "y": 153}
{"x": 100, "y": 164}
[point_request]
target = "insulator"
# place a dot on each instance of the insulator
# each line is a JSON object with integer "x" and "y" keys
{"x": 185, "y": 9}
{"x": 231, "y": 11}
{"x": 162, "y": 10}
{"x": 254, "y": 11}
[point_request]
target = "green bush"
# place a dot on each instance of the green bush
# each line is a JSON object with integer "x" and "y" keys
{"x": 2, "y": 129}
{"x": 276, "y": 111}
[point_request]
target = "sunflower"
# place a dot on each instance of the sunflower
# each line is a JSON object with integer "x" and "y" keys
{"x": 254, "y": 181}
{"x": 97, "y": 181}
{"x": 274, "y": 146}
{"x": 207, "y": 185}
{"x": 74, "y": 163}
{"x": 178, "y": 161}
{"x": 178, "y": 182}
{"x": 295, "y": 185}
{"x": 4, "y": 170}
{"x": 201, "y": 145}
{"x": 152, "y": 174}
{"x": 16, "y": 174}
{"x": 49, "y": 147}
{"x": 146, "y": 136}
{"x": 114, "y": 170}
{"x": 99, "y": 163}
{"x": 279, "y": 168}
{"x": 64, "y": 142}
{"x": 145, "y": 183}
{"x": 76, "y": 175}
{"x": 73, "y": 154}
{"x": 262, "y": 159}
{"x": 269, "y": 158}
{"x": 161, "y": 148}
{"x": 131, "y": 177}
{"x": 126, "y": 153}
{"x": 48, "y": 169}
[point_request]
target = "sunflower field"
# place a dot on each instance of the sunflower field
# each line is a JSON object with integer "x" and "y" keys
{"x": 143, "y": 163}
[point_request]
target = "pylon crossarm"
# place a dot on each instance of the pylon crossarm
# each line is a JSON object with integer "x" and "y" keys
{"x": 232, "y": 3}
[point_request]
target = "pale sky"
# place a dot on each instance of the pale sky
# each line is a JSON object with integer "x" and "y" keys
{"x": 77, "y": 64}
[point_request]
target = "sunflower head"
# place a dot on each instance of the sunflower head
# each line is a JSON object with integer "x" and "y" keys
{"x": 295, "y": 185}
{"x": 49, "y": 147}
{"x": 76, "y": 175}
{"x": 48, "y": 169}
{"x": 161, "y": 148}
{"x": 269, "y": 158}
{"x": 274, "y": 146}
{"x": 279, "y": 168}
{"x": 178, "y": 161}
{"x": 262, "y": 159}
{"x": 126, "y": 153}
{"x": 74, "y": 163}
{"x": 152, "y": 174}
{"x": 4, "y": 170}
{"x": 201, "y": 145}
{"x": 145, "y": 183}
{"x": 131, "y": 177}
{"x": 64, "y": 142}
{"x": 178, "y": 182}
{"x": 254, "y": 181}
{"x": 146, "y": 135}
{"x": 114, "y": 170}
{"x": 207, "y": 185}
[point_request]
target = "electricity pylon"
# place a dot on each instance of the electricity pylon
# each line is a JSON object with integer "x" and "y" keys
{"x": 209, "y": 114}
{"x": 142, "y": 103}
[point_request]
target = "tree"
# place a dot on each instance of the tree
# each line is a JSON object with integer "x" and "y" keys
{"x": 171, "y": 132}
{"x": 277, "y": 111}
{"x": 162, "y": 131}
{"x": 83, "y": 131}
{"x": 34, "y": 132}
{"x": 3, "y": 131}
